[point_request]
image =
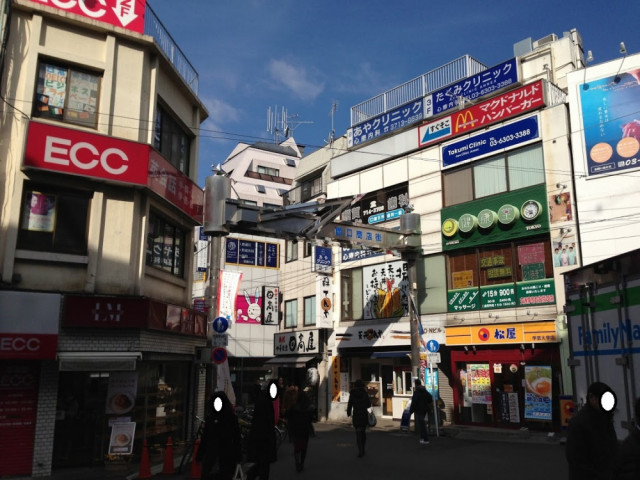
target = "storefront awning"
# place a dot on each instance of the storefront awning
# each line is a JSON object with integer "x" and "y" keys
{"x": 98, "y": 361}
{"x": 294, "y": 361}
{"x": 393, "y": 354}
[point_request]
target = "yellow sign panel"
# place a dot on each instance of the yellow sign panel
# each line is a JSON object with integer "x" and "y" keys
{"x": 502, "y": 334}
{"x": 335, "y": 374}
{"x": 463, "y": 279}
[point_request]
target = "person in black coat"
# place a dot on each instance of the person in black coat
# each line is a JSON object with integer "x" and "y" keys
{"x": 421, "y": 403}
{"x": 221, "y": 439}
{"x": 591, "y": 438}
{"x": 262, "y": 436}
{"x": 300, "y": 419}
{"x": 628, "y": 464}
{"x": 357, "y": 407}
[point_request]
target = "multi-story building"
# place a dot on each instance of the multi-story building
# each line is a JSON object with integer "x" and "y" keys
{"x": 99, "y": 148}
{"x": 483, "y": 155}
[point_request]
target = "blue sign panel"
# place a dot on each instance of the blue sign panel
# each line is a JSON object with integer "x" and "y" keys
{"x": 260, "y": 254}
{"x": 272, "y": 255}
{"x": 491, "y": 141}
{"x": 323, "y": 258}
{"x": 471, "y": 88}
{"x": 375, "y": 127}
{"x": 433, "y": 346}
{"x": 247, "y": 253}
{"x": 354, "y": 254}
{"x": 231, "y": 255}
{"x": 220, "y": 324}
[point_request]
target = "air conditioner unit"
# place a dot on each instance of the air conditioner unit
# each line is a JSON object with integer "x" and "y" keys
{"x": 544, "y": 40}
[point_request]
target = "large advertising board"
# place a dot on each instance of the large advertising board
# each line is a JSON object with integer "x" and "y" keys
{"x": 610, "y": 108}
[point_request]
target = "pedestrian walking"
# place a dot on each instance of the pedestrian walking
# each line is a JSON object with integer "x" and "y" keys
{"x": 591, "y": 437}
{"x": 628, "y": 464}
{"x": 357, "y": 407}
{"x": 300, "y": 418}
{"x": 220, "y": 440}
{"x": 421, "y": 403}
{"x": 262, "y": 436}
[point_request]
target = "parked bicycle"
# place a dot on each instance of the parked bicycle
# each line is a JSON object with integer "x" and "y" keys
{"x": 187, "y": 456}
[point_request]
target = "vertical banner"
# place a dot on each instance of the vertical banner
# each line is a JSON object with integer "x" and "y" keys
{"x": 223, "y": 381}
{"x": 324, "y": 301}
{"x": 537, "y": 397}
{"x": 335, "y": 379}
{"x": 270, "y": 305}
{"x": 228, "y": 286}
{"x": 121, "y": 392}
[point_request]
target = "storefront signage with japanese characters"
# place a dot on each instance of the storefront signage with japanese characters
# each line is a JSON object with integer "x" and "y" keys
{"x": 380, "y": 206}
{"x": 499, "y": 334}
{"x": 250, "y": 253}
{"x": 296, "y": 343}
{"x": 270, "y": 305}
{"x": 385, "y": 123}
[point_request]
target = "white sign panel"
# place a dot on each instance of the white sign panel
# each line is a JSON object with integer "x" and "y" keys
{"x": 296, "y": 343}
{"x": 385, "y": 290}
{"x": 374, "y": 335}
{"x": 270, "y": 305}
{"x": 227, "y": 291}
{"x": 324, "y": 301}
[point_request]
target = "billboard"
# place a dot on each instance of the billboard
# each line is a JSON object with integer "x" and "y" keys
{"x": 611, "y": 122}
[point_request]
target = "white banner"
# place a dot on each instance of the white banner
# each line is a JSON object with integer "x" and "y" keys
{"x": 223, "y": 381}
{"x": 324, "y": 301}
{"x": 385, "y": 290}
{"x": 228, "y": 286}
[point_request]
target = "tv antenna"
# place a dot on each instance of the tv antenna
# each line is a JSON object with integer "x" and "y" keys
{"x": 334, "y": 107}
{"x": 280, "y": 123}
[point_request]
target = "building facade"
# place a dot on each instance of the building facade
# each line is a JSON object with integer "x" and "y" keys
{"x": 97, "y": 183}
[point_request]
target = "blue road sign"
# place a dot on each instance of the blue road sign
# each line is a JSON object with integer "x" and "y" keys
{"x": 433, "y": 346}
{"x": 219, "y": 355}
{"x": 220, "y": 324}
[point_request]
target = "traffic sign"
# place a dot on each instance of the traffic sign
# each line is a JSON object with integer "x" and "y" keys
{"x": 219, "y": 355}
{"x": 219, "y": 340}
{"x": 433, "y": 346}
{"x": 433, "y": 358}
{"x": 220, "y": 324}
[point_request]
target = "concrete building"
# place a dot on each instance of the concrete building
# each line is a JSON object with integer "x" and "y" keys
{"x": 484, "y": 157}
{"x": 99, "y": 147}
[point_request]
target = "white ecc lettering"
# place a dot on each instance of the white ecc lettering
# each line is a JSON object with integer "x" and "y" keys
{"x": 61, "y": 151}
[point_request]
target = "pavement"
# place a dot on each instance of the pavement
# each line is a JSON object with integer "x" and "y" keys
{"x": 338, "y": 435}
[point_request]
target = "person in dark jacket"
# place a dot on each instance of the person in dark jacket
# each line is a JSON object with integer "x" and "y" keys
{"x": 357, "y": 409}
{"x": 591, "y": 438}
{"x": 221, "y": 439}
{"x": 421, "y": 403}
{"x": 262, "y": 436}
{"x": 300, "y": 418}
{"x": 628, "y": 464}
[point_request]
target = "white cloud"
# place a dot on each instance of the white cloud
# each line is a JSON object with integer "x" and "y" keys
{"x": 295, "y": 79}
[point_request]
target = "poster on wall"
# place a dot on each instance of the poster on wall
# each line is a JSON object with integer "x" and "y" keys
{"x": 385, "y": 290}
{"x": 39, "y": 212}
{"x": 611, "y": 122}
{"x": 560, "y": 207}
{"x": 121, "y": 392}
{"x": 249, "y": 306}
{"x": 479, "y": 381}
{"x": 565, "y": 251}
{"x": 538, "y": 393}
{"x": 121, "y": 440}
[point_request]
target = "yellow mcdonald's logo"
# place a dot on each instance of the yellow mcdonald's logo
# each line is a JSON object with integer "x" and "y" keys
{"x": 464, "y": 120}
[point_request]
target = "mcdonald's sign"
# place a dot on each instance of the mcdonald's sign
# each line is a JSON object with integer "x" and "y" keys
{"x": 497, "y": 109}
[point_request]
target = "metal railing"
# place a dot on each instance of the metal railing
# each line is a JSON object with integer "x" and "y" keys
{"x": 154, "y": 28}
{"x": 417, "y": 88}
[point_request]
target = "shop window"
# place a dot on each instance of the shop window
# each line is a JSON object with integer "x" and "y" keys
{"x": 67, "y": 94}
{"x": 402, "y": 382}
{"x": 310, "y": 311}
{"x": 501, "y": 173}
{"x": 291, "y": 313}
{"x": 291, "y": 248}
{"x": 172, "y": 140}
{"x": 351, "y": 294}
{"x": 165, "y": 245}
{"x": 54, "y": 220}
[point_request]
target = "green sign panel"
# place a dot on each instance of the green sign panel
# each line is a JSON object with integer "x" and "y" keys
{"x": 463, "y": 299}
{"x": 536, "y": 292}
{"x": 533, "y": 271}
{"x": 498, "y": 296}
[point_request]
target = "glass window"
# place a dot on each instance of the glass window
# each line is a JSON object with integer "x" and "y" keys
{"x": 269, "y": 171}
{"x": 165, "y": 246}
{"x": 291, "y": 247}
{"x": 311, "y": 188}
{"x": 54, "y": 220}
{"x": 310, "y": 310}
{"x": 172, "y": 140}
{"x": 351, "y": 295}
{"x": 490, "y": 177}
{"x": 308, "y": 249}
{"x": 458, "y": 186}
{"x": 526, "y": 167}
{"x": 496, "y": 265}
{"x": 291, "y": 313}
{"x": 402, "y": 382}
{"x": 66, "y": 94}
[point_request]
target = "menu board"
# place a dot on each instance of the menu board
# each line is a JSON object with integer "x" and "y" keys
{"x": 538, "y": 394}
{"x": 480, "y": 382}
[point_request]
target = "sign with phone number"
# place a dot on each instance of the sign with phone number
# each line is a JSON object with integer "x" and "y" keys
{"x": 491, "y": 141}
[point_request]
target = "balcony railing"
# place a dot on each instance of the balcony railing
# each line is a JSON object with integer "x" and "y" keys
{"x": 154, "y": 28}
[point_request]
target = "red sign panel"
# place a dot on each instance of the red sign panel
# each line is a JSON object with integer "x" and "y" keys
{"x": 28, "y": 346}
{"x": 171, "y": 184}
{"x": 75, "y": 152}
{"x": 497, "y": 109}
{"x": 127, "y": 14}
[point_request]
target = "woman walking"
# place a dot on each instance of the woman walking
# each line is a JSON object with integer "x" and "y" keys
{"x": 300, "y": 418}
{"x": 357, "y": 408}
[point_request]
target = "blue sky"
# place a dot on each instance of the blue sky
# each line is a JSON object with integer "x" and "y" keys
{"x": 305, "y": 55}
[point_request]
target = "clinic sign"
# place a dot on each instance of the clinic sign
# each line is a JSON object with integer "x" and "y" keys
{"x": 385, "y": 123}
{"x": 497, "y": 109}
{"x": 75, "y": 152}
{"x": 127, "y": 14}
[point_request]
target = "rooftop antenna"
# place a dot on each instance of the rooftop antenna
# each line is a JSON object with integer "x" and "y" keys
{"x": 281, "y": 123}
{"x": 334, "y": 107}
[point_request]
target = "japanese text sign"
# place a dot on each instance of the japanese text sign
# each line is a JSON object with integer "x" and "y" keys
{"x": 295, "y": 343}
{"x": 497, "y": 334}
{"x": 380, "y": 125}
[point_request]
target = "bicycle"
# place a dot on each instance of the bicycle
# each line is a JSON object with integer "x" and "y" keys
{"x": 187, "y": 457}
